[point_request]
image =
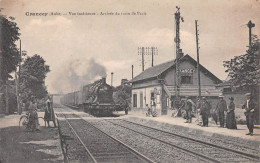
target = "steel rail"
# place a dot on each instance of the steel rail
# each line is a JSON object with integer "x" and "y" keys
{"x": 184, "y": 149}
{"x": 77, "y": 136}
{"x": 62, "y": 142}
{"x": 176, "y": 146}
{"x": 136, "y": 153}
{"x": 199, "y": 141}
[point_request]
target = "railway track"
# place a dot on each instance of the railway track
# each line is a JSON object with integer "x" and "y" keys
{"x": 245, "y": 147}
{"x": 99, "y": 146}
{"x": 63, "y": 108}
{"x": 239, "y": 144}
{"x": 205, "y": 150}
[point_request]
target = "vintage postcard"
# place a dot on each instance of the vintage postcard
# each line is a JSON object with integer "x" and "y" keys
{"x": 129, "y": 81}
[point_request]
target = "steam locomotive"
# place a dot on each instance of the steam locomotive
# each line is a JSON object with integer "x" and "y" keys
{"x": 95, "y": 98}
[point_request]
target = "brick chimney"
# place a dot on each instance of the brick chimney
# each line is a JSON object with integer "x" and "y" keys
{"x": 181, "y": 53}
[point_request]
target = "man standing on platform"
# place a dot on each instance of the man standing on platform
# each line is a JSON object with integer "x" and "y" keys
{"x": 198, "y": 115}
{"x": 188, "y": 109}
{"x": 205, "y": 111}
{"x": 249, "y": 107}
{"x": 221, "y": 108}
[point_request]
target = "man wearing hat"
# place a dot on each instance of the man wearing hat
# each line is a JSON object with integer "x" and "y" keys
{"x": 205, "y": 111}
{"x": 249, "y": 107}
{"x": 221, "y": 108}
{"x": 188, "y": 108}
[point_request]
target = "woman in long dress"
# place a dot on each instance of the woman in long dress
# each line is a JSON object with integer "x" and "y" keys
{"x": 33, "y": 118}
{"x": 231, "y": 118}
{"x": 49, "y": 113}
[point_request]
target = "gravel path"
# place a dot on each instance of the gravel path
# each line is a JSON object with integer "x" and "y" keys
{"x": 18, "y": 146}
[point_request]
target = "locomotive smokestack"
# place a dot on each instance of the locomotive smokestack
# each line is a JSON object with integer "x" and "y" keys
{"x": 112, "y": 78}
{"x": 104, "y": 80}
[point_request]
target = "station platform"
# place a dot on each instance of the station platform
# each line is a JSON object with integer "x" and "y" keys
{"x": 212, "y": 130}
{"x": 22, "y": 146}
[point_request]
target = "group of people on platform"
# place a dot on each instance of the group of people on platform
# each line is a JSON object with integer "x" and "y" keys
{"x": 223, "y": 112}
{"x": 218, "y": 113}
{"x": 33, "y": 115}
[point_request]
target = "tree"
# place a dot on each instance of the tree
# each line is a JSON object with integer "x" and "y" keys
{"x": 122, "y": 95}
{"x": 9, "y": 57}
{"x": 244, "y": 70}
{"x": 9, "y": 54}
{"x": 32, "y": 78}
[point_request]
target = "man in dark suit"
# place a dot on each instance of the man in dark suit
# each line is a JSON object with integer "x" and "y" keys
{"x": 249, "y": 107}
{"x": 188, "y": 108}
{"x": 221, "y": 108}
{"x": 205, "y": 111}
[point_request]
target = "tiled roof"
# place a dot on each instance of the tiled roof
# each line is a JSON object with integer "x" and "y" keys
{"x": 155, "y": 71}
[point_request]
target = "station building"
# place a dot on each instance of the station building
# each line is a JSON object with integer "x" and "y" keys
{"x": 157, "y": 84}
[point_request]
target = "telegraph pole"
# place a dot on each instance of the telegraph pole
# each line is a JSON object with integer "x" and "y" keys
{"x": 152, "y": 55}
{"x": 1, "y": 63}
{"x": 132, "y": 71}
{"x": 147, "y": 51}
{"x": 198, "y": 58}
{"x": 141, "y": 52}
{"x": 142, "y": 58}
{"x": 112, "y": 78}
{"x": 177, "y": 39}
{"x": 250, "y": 25}
{"x": 17, "y": 77}
{"x": 1, "y": 68}
{"x": 154, "y": 52}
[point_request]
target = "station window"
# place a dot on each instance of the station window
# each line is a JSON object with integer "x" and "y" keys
{"x": 141, "y": 100}
{"x": 186, "y": 79}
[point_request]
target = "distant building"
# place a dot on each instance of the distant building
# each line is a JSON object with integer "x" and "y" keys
{"x": 158, "y": 84}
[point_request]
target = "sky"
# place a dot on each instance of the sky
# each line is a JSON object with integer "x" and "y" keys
{"x": 82, "y": 48}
